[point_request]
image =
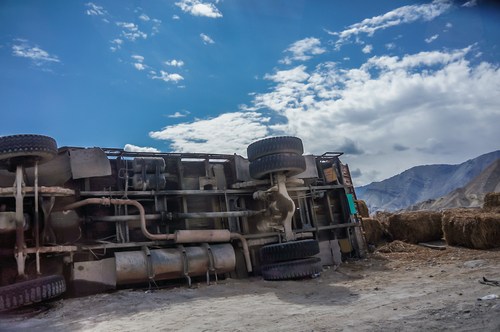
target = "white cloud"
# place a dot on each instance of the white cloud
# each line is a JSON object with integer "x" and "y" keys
{"x": 95, "y": 10}
{"x": 227, "y": 133}
{"x": 297, "y": 74}
{"x": 116, "y": 44}
{"x": 367, "y": 49}
{"x": 431, "y": 39}
{"x": 390, "y": 108}
{"x": 166, "y": 77}
{"x": 398, "y": 16}
{"x": 199, "y": 8}
{"x": 131, "y": 31}
{"x": 206, "y": 39}
{"x": 156, "y": 26}
{"x": 135, "y": 148}
{"x": 390, "y": 46}
{"x": 175, "y": 63}
{"x": 177, "y": 115}
{"x": 176, "y": 17}
{"x": 39, "y": 57}
{"x": 139, "y": 66}
{"x": 144, "y": 17}
{"x": 471, "y": 3}
{"x": 138, "y": 58}
{"x": 303, "y": 50}
{"x": 449, "y": 25}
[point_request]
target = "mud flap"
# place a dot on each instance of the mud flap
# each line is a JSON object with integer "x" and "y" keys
{"x": 93, "y": 277}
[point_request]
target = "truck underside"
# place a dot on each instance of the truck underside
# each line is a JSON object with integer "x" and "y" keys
{"x": 93, "y": 219}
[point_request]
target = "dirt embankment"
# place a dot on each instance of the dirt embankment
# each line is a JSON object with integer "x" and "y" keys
{"x": 399, "y": 287}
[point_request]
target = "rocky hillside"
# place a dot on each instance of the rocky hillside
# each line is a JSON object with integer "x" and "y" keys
{"x": 471, "y": 195}
{"x": 422, "y": 183}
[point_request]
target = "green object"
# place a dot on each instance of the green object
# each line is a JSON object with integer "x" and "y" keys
{"x": 352, "y": 205}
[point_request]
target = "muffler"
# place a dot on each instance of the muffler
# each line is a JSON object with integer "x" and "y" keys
{"x": 173, "y": 263}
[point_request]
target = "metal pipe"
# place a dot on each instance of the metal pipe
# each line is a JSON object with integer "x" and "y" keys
{"x": 187, "y": 236}
{"x": 202, "y": 235}
{"x": 222, "y": 214}
{"x": 130, "y": 217}
{"x": 109, "y": 201}
{"x": 246, "y": 252}
{"x": 352, "y": 224}
{"x": 47, "y": 191}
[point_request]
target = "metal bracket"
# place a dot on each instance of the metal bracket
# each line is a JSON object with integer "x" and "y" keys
{"x": 286, "y": 206}
{"x": 211, "y": 265}
{"x": 149, "y": 267}
{"x": 185, "y": 264}
{"x": 20, "y": 243}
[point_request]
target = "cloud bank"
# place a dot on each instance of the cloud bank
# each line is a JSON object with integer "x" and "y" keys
{"x": 411, "y": 109}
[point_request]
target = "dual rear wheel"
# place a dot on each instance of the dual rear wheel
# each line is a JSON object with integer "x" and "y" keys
{"x": 276, "y": 154}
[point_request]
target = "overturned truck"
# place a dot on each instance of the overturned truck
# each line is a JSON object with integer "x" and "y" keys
{"x": 86, "y": 220}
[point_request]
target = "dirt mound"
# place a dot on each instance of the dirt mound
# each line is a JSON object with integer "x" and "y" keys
{"x": 415, "y": 227}
{"x": 397, "y": 246}
{"x": 477, "y": 230}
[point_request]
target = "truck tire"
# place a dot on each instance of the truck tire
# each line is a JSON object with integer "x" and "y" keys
{"x": 274, "y": 145}
{"x": 291, "y": 164}
{"x": 25, "y": 150}
{"x": 31, "y": 291}
{"x": 288, "y": 251}
{"x": 292, "y": 269}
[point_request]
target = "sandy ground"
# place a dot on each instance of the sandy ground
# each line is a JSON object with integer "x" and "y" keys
{"x": 406, "y": 287}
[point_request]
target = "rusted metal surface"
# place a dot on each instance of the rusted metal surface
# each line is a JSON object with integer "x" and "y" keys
{"x": 202, "y": 235}
{"x": 100, "y": 272}
{"x": 20, "y": 244}
{"x": 45, "y": 191}
{"x": 87, "y": 163}
{"x": 174, "y": 263}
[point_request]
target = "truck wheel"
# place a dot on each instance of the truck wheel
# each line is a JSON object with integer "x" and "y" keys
{"x": 274, "y": 145}
{"x": 26, "y": 149}
{"x": 292, "y": 270}
{"x": 288, "y": 251}
{"x": 31, "y": 291}
{"x": 291, "y": 164}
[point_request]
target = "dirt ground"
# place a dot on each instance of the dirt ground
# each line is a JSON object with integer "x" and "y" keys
{"x": 401, "y": 287}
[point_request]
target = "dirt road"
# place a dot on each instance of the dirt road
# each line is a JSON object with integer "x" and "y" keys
{"x": 406, "y": 287}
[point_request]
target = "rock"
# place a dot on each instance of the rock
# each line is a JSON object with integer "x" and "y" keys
{"x": 474, "y": 264}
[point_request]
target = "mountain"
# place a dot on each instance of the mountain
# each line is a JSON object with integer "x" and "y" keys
{"x": 471, "y": 195}
{"x": 422, "y": 183}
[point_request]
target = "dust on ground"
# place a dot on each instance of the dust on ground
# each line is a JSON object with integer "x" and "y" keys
{"x": 399, "y": 287}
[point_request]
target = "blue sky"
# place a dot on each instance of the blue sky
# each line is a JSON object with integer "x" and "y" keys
{"x": 393, "y": 84}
